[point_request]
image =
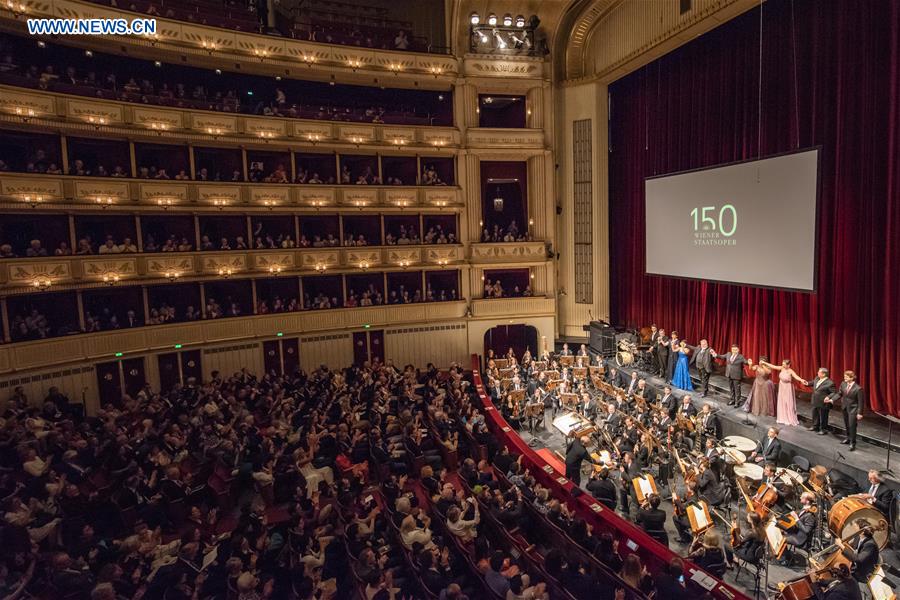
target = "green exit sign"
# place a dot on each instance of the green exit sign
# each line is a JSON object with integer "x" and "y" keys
{"x": 177, "y": 346}
{"x": 279, "y": 334}
{"x": 118, "y": 354}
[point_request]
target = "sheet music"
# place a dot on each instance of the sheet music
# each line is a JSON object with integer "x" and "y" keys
{"x": 774, "y": 535}
{"x": 644, "y": 484}
{"x": 210, "y": 557}
{"x": 703, "y": 579}
{"x": 700, "y": 516}
{"x": 879, "y": 589}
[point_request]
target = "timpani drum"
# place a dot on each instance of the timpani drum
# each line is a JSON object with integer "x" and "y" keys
{"x": 846, "y": 511}
{"x": 749, "y": 471}
{"x": 739, "y": 443}
{"x": 624, "y": 358}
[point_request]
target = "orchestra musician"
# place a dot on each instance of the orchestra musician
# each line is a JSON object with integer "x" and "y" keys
{"x": 746, "y": 545}
{"x": 687, "y": 409}
{"x": 708, "y": 486}
{"x": 603, "y": 488}
{"x": 583, "y": 352}
{"x": 612, "y": 421}
{"x": 853, "y": 403}
{"x": 643, "y": 390}
{"x": 615, "y": 378}
{"x": 669, "y": 401}
{"x": 587, "y": 406}
{"x": 649, "y": 516}
{"x": 630, "y": 468}
{"x": 842, "y": 587}
{"x": 768, "y": 449}
{"x": 710, "y": 427}
{"x": 565, "y": 350}
{"x": 799, "y": 532}
{"x": 877, "y": 495}
{"x": 864, "y": 553}
{"x": 632, "y": 384}
{"x": 679, "y": 511}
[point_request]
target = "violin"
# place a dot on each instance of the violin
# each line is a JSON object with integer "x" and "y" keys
{"x": 734, "y": 534}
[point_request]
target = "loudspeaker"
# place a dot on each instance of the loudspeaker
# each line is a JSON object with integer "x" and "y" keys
{"x": 602, "y": 338}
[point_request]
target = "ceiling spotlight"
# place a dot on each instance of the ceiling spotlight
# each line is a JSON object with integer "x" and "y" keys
{"x": 157, "y": 63}
{"x": 474, "y": 18}
{"x": 41, "y": 44}
{"x": 520, "y": 21}
{"x": 492, "y": 19}
{"x": 218, "y": 71}
{"x": 507, "y": 20}
{"x": 88, "y": 53}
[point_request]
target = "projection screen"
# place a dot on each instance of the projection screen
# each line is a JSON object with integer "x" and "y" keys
{"x": 749, "y": 223}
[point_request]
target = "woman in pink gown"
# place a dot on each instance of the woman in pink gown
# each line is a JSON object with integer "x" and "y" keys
{"x": 786, "y": 412}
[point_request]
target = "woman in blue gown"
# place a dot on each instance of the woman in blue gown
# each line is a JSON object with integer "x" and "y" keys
{"x": 682, "y": 376}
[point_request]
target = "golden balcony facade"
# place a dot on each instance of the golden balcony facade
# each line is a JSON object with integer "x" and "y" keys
{"x": 263, "y": 54}
{"x": 41, "y": 192}
{"x": 57, "y": 273}
{"x": 81, "y": 115}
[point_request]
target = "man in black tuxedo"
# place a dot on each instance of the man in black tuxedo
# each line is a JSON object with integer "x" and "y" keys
{"x": 662, "y": 353}
{"x": 603, "y": 489}
{"x": 654, "y": 339}
{"x": 576, "y": 453}
{"x": 632, "y": 384}
{"x": 734, "y": 371}
{"x": 878, "y": 494}
{"x": 702, "y": 358}
{"x": 767, "y": 449}
{"x": 651, "y": 518}
{"x": 864, "y": 554}
{"x": 615, "y": 378}
{"x": 672, "y": 357}
{"x": 822, "y": 389}
{"x": 853, "y": 402}
{"x": 669, "y": 401}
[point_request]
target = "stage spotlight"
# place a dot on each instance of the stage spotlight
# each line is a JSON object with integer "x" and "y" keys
{"x": 157, "y": 63}
{"x": 520, "y": 21}
{"x": 507, "y": 20}
{"x": 484, "y": 38}
{"x": 501, "y": 43}
{"x": 474, "y": 18}
{"x": 492, "y": 19}
{"x": 88, "y": 53}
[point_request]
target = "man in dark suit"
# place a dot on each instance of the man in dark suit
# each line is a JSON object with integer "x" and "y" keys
{"x": 798, "y": 534}
{"x": 632, "y": 384}
{"x": 864, "y": 554}
{"x": 672, "y": 357}
{"x": 734, "y": 371}
{"x": 708, "y": 485}
{"x": 768, "y": 449}
{"x": 702, "y": 358}
{"x": 654, "y": 339}
{"x": 878, "y": 494}
{"x": 612, "y": 421}
{"x": 710, "y": 427}
{"x": 853, "y": 402}
{"x": 650, "y": 517}
{"x": 615, "y": 378}
{"x": 576, "y": 453}
{"x": 662, "y": 353}
{"x": 822, "y": 389}
{"x": 669, "y": 401}
{"x": 630, "y": 468}
{"x": 603, "y": 489}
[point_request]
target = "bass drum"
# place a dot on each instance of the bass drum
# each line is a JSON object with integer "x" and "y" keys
{"x": 624, "y": 358}
{"x": 844, "y": 514}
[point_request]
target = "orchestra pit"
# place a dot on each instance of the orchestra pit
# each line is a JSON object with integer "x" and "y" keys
{"x": 449, "y": 299}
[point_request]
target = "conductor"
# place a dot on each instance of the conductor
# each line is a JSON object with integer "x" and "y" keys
{"x": 576, "y": 452}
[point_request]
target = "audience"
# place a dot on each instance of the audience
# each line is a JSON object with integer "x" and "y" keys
{"x": 509, "y": 233}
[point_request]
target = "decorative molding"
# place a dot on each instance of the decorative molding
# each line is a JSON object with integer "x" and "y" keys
{"x": 236, "y": 262}
{"x": 97, "y": 189}
{"x": 97, "y": 268}
{"x": 157, "y": 119}
{"x": 508, "y": 252}
{"x": 154, "y": 192}
{"x": 96, "y": 113}
{"x": 512, "y": 307}
{"x": 158, "y": 266}
{"x": 504, "y": 138}
{"x": 506, "y": 66}
{"x": 47, "y": 188}
{"x": 27, "y": 272}
{"x": 284, "y": 260}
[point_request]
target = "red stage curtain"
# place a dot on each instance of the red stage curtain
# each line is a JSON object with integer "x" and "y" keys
{"x": 830, "y": 77}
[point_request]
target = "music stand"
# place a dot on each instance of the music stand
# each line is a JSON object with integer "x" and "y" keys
{"x": 891, "y": 420}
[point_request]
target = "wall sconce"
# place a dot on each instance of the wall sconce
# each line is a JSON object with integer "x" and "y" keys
{"x": 104, "y": 201}
{"x": 481, "y": 223}
{"x": 270, "y": 204}
{"x": 402, "y": 204}
{"x": 261, "y": 54}
{"x": 438, "y": 143}
{"x": 399, "y": 142}
{"x": 395, "y": 68}
{"x": 25, "y": 113}
{"x": 441, "y": 203}
{"x": 531, "y": 276}
{"x": 356, "y": 139}
{"x": 18, "y": 9}
{"x": 209, "y": 46}
{"x": 111, "y": 279}
{"x": 276, "y": 270}
{"x": 354, "y": 64}
{"x": 158, "y": 127}
{"x": 214, "y": 131}
{"x": 360, "y": 204}
{"x": 225, "y": 272}
{"x": 320, "y": 267}
{"x": 318, "y": 204}
{"x": 97, "y": 121}
{"x": 364, "y": 266}
{"x": 437, "y": 71}
{"x": 531, "y": 222}
{"x": 314, "y": 137}
{"x": 266, "y": 135}
{"x": 41, "y": 283}
{"x": 220, "y": 203}
{"x": 33, "y": 201}
{"x": 443, "y": 262}
{"x": 164, "y": 202}
{"x": 309, "y": 59}
{"x": 403, "y": 264}
{"x": 172, "y": 276}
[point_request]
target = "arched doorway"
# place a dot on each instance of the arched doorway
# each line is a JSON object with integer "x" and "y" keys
{"x": 518, "y": 337}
